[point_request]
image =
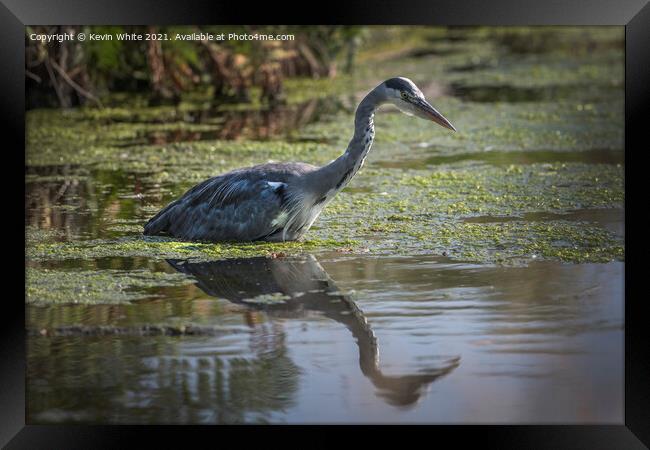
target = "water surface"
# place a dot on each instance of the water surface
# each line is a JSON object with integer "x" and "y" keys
{"x": 342, "y": 340}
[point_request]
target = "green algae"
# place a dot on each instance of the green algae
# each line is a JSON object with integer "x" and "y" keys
{"x": 164, "y": 248}
{"x": 268, "y": 299}
{"x": 418, "y": 211}
{"x": 507, "y": 158}
{"x": 514, "y": 189}
{"x": 183, "y": 162}
{"x": 518, "y": 242}
{"x": 515, "y": 241}
{"x": 463, "y": 189}
{"x": 125, "y": 228}
{"x": 404, "y": 212}
{"x": 45, "y": 286}
{"x": 35, "y": 235}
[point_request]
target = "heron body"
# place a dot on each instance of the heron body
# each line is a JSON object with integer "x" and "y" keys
{"x": 281, "y": 201}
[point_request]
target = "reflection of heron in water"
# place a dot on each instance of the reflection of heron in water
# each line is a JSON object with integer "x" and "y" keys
{"x": 308, "y": 288}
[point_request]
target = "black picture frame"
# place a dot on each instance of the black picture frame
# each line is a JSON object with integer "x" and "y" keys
{"x": 633, "y": 14}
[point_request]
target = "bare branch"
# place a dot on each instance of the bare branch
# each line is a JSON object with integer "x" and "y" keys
{"x": 33, "y": 76}
{"x": 55, "y": 83}
{"x": 74, "y": 85}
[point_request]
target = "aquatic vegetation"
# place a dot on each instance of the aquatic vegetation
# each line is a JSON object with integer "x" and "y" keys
{"x": 268, "y": 299}
{"x": 46, "y": 286}
{"x": 413, "y": 199}
{"x": 165, "y": 248}
{"x": 35, "y": 235}
{"x": 423, "y": 211}
{"x": 470, "y": 189}
{"x": 519, "y": 242}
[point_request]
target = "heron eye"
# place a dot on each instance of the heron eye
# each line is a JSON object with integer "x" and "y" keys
{"x": 404, "y": 95}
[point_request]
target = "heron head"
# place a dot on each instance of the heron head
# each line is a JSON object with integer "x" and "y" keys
{"x": 404, "y": 94}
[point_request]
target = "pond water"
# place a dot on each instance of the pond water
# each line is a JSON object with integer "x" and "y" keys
{"x": 474, "y": 277}
{"x": 344, "y": 339}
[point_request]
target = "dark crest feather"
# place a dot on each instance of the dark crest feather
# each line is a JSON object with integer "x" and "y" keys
{"x": 398, "y": 84}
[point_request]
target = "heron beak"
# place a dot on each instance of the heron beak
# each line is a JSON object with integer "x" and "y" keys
{"x": 429, "y": 112}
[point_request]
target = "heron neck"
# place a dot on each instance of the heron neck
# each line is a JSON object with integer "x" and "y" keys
{"x": 364, "y": 130}
{"x": 335, "y": 175}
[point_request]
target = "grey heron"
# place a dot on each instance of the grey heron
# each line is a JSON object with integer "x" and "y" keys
{"x": 281, "y": 201}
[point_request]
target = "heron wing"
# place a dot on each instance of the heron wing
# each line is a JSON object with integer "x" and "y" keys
{"x": 240, "y": 205}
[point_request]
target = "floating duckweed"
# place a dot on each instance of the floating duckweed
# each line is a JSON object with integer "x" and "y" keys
{"x": 45, "y": 286}
{"x": 523, "y": 241}
{"x": 268, "y": 299}
{"x": 163, "y": 248}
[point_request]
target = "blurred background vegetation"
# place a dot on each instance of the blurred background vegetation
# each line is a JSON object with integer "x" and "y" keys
{"x": 72, "y": 73}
